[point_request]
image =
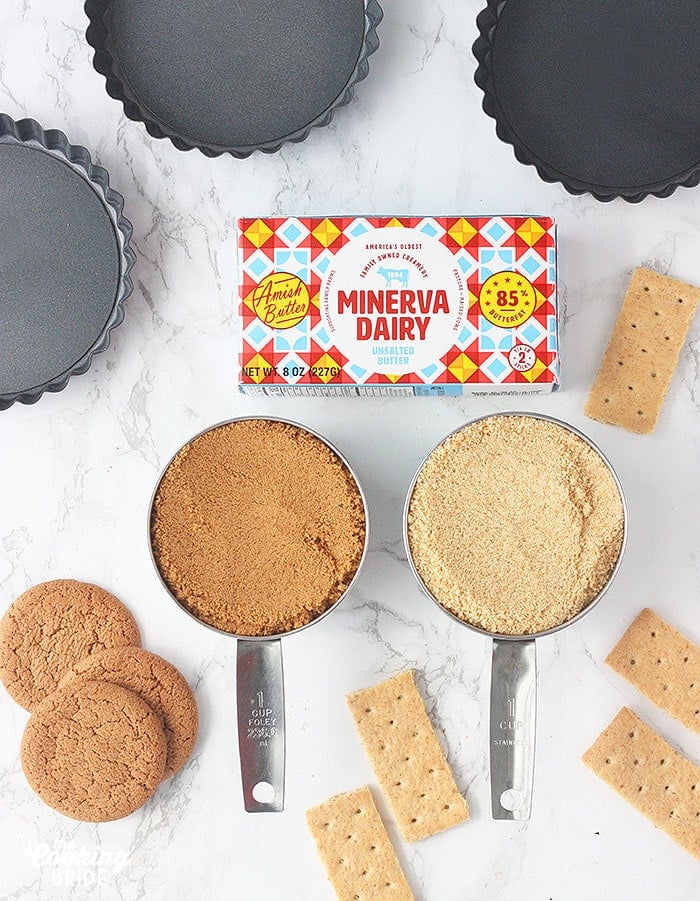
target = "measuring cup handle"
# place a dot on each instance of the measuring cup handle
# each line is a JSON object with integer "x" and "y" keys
{"x": 261, "y": 737}
{"x": 513, "y": 714}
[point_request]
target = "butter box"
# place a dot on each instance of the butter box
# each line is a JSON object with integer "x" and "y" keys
{"x": 417, "y": 305}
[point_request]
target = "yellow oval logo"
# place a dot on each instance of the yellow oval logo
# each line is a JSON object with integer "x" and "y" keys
{"x": 281, "y": 300}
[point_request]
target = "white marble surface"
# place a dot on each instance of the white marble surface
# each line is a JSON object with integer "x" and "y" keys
{"x": 77, "y": 470}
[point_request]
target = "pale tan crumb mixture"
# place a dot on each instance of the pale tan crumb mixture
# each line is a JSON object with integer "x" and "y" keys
{"x": 515, "y": 524}
{"x": 257, "y": 527}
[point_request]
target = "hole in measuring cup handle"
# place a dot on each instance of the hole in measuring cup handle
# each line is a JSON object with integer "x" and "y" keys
{"x": 264, "y": 793}
{"x": 512, "y": 799}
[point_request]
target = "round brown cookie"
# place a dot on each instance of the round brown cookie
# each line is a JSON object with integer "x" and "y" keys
{"x": 159, "y": 683}
{"x": 51, "y": 627}
{"x": 94, "y": 752}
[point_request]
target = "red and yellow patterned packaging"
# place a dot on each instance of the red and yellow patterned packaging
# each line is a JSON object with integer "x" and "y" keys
{"x": 398, "y": 305}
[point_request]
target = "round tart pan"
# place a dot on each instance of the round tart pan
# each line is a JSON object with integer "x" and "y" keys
{"x": 65, "y": 258}
{"x": 227, "y": 77}
{"x": 600, "y": 95}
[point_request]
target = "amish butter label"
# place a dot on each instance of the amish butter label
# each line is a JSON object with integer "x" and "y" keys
{"x": 436, "y": 305}
{"x": 281, "y": 300}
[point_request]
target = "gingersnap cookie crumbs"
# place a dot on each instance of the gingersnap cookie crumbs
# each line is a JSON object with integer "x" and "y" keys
{"x": 257, "y": 527}
{"x": 515, "y": 524}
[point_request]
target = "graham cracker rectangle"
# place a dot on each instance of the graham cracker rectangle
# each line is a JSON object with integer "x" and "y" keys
{"x": 643, "y": 351}
{"x": 651, "y": 775}
{"x": 406, "y": 757}
{"x": 356, "y": 850}
{"x": 663, "y": 664}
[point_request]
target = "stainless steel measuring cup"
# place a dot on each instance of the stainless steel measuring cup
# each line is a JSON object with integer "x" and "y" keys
{"x": 260, "y": 678}
{"x": 514, "y": 668}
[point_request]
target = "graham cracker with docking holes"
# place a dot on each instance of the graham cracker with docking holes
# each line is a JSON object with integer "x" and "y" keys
{"x": 355, "y": 849}
{"x": 406, "y": 757}
{"x": 663, "y": 664}
{"x": 643, "y": 351}
{"x": 651, "y": 775}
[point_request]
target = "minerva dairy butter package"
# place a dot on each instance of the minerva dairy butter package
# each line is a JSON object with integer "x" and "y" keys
{"x": 386, "y": 305}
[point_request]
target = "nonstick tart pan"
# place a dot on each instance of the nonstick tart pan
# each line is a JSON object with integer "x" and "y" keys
{"x": 65, "y": 258}
{"x": 600, "y": 95}
{"x": 229, "y": 77}
{"x": 514, "y": 662}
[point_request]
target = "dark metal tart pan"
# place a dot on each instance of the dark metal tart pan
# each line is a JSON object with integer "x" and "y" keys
{"x": 65, "y": 258}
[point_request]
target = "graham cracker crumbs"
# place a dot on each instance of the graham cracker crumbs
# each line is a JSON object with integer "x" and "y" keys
{"x": 515, "y": 524}
{"x": 257, "y": 527}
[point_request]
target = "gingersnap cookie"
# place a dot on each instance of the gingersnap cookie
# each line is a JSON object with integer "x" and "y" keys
{"x": 94, "y": 752}
{"x": 53, "y": 626}
{"x": 158, "y": 683}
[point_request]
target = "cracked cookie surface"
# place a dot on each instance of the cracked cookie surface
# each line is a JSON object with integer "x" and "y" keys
{"x": 158, "y": 683}
{"x": 53, "y": 626}
{"x": 95, "y": 752}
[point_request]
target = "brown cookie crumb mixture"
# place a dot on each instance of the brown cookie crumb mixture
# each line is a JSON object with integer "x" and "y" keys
{"x": 515, "y": 524}
{"x": 257, "y": 527}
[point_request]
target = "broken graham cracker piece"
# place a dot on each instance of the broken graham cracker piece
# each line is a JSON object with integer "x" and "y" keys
{"x": 643, "y": 351}
{"x": 406, "y": 757}
{"x": 663, "y": 664}
{"x": 355, "y": 849}
{"x": 650, "y": 775}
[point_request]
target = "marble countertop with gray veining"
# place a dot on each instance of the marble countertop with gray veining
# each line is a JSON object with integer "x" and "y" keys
{"x": 77, "y": 471}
